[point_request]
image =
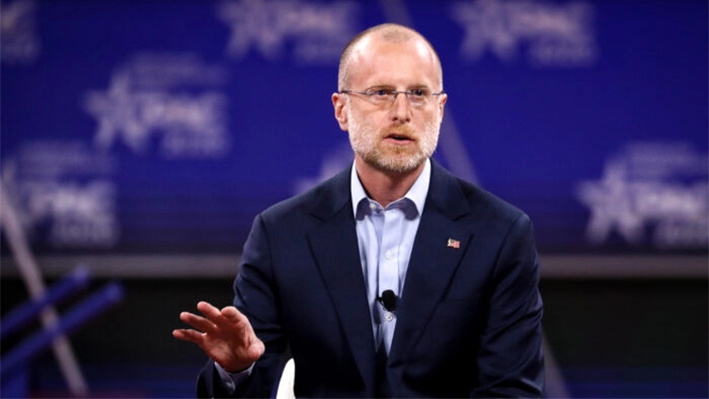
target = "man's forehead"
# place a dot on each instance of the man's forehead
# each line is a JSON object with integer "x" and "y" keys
{"x": 376, "y": 43}
{"x": 386, "y": 52}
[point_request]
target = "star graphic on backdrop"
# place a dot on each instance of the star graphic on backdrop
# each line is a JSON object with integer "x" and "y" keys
{"x": 255, "y": 23}
{"x": 118, "y": 113}
{"x": 611, "y": 203}
{"x": 486, "y": 24}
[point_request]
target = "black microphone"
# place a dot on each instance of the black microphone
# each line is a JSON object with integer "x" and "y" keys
{"x": 388, "y": 300}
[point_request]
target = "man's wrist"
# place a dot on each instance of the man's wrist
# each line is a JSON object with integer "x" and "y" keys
{"x": 232, "y": 379}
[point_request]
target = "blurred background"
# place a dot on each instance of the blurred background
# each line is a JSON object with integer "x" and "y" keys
{"x": 140, "y": 138}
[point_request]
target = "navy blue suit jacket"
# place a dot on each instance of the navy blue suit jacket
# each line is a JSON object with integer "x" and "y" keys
{"x": 469, "y": 318}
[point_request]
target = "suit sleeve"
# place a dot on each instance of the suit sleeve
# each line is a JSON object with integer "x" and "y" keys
{"x": 510, "y": 360}
{"x": 255, "y": 295}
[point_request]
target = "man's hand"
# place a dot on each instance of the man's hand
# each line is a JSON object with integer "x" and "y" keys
{"x": 224, "y": 335}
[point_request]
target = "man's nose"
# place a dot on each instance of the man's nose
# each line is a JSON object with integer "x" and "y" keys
{"x": 401, "y": 108}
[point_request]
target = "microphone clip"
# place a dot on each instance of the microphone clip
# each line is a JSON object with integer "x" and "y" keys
{"x": 388, "y": 300}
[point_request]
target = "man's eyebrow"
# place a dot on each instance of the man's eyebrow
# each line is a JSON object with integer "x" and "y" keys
{"x": 381, "y": 86}
{"x": 409, "y": 87}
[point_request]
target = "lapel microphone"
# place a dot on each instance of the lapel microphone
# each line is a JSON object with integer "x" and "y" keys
{"x": 388, "y": 300}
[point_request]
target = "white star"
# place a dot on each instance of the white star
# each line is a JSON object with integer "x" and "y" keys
{"x": 254, "y": 22}
{"x": 118, "y": 111}
{"x": 486, "y": 23}
{"x": 611, "y": 203}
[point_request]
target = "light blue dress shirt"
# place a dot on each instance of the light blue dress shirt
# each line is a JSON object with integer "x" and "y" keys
{"x": 386, "y": 237}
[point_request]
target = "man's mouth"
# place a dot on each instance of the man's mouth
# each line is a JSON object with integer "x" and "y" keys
{"x": 398, "y": 137}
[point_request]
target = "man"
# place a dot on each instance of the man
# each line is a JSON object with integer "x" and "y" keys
{"x": 392, "y": 279}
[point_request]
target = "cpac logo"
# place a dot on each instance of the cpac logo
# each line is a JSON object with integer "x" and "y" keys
{"x": 554, "y": 35}
{"x": 80, "y": 215}
{"x": 657, "y": 187}
{"x": 63, "y": 186}
{"x": 20, "y": 42}
{"x": 318, "y": 31}
{"x": 134, "y": 109}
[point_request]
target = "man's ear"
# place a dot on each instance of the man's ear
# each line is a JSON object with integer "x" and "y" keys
{"x": 339, "y": 102}
{"x": 441, "y": 106}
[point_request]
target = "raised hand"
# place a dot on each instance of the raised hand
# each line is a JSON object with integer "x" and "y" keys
{"x": 224, "y": 335}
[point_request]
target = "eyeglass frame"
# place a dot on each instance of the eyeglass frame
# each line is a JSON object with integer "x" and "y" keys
{"x": 407, "y": 93}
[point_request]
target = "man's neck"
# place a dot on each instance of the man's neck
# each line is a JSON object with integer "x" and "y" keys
{"x": 385, "y": 187}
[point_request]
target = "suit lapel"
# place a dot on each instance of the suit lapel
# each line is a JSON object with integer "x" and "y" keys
{"x": 433, "y": 260}
{"x": 334, "y": 245}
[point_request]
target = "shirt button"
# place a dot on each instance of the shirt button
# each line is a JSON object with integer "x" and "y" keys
{"x": 372, "y": 206}
{"x": 389, "y": 316}
{"x": 389, "y": 255}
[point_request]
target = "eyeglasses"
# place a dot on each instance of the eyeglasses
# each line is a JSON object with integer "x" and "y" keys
{"x": 417, "y": 97}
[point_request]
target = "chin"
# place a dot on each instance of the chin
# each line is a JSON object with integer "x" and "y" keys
{"x": 400, "y": 166}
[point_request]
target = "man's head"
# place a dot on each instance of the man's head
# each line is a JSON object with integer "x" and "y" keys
{"x": 399, "y": 134}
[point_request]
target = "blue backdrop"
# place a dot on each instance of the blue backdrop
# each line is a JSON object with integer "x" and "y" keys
{"x": 165, "y": 126}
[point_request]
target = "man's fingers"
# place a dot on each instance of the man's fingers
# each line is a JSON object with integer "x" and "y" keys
{"x": 188, "y": 335}
{"x": 224, "y": 335}
{"x": 208, "y": 310}
{"x": 230, "y": 319}
{"x": 217, "y": 317}
{"x": 232, "y": 314}
{"x": 197, "y": 322}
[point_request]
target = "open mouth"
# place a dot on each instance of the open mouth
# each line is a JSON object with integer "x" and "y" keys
{"x": 399, "y": 137}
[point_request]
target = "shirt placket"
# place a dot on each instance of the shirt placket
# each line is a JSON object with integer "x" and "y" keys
{"x": 388, "y": 272}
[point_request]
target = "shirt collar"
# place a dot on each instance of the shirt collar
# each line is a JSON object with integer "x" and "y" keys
{"x": 416, "y": 194}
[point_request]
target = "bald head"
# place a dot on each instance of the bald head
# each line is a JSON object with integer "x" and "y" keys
{"x": 390, "y": 33}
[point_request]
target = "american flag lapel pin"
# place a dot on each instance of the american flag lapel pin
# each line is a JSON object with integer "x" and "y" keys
{"x": 453, "y": 243}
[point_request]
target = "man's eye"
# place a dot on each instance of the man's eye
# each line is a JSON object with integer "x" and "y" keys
{"x": 418, "y": 92}
{"x": 380, "y": 92}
